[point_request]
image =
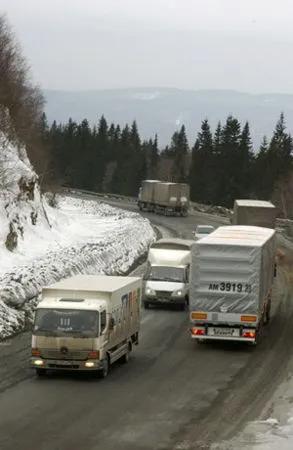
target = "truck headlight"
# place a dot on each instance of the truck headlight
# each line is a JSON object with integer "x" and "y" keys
{"x": 38, "y": 362}
{"x": 149, "y": 291}
{"x": 177, "y": 293}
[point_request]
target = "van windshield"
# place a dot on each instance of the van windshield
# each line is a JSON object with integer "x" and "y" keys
{"x": 66, "y": 322}
{"x": 162, "y": 273}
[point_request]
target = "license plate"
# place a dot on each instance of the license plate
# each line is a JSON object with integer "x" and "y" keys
{"x": 164, "y": 300}
{"x": 62, "y": 362}
{"x": 225, "y": 332}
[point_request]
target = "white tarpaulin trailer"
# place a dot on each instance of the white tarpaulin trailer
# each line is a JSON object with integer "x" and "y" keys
{"x": 232, "y": 273}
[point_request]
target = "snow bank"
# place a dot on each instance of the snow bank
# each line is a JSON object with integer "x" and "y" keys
{"x": 40, "y": 244}
{"x": 84, "y": 237}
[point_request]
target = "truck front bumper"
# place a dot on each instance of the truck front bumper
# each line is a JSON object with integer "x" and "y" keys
{"x": 61, "y": 364}
{"x": 164, "y": 301}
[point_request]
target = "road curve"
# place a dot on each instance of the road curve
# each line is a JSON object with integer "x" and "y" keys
{"x": 172, "y": 395}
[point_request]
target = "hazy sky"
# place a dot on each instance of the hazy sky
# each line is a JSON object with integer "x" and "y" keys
{"x": 198, "y": 44}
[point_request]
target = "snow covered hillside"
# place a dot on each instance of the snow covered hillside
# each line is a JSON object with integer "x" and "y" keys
{"x": 41, "y": 244}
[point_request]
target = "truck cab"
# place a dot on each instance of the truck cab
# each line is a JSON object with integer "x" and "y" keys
{"x": 167, "y": 275}
{"x": 86, "y": 323}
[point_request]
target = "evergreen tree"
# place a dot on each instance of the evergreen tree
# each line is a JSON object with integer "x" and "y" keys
{"x": 179, "y": 151}
{"x": 202, "y": 166}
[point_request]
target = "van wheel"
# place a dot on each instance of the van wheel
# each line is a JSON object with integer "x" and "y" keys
{"x": 105, "y": 370}
{"x": 182, "y": 306}
{"x": 41, "y": 372}
{"x": 146, "y": 305}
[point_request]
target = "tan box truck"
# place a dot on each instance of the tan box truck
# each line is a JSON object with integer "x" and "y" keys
{"x": 232, "y": 275}
{"x": 164, "y": 197}
{"x": 86, "y": 323}
{"x": 257, "y": 213}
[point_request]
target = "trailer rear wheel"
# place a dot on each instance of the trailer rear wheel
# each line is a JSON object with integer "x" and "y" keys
{"x": 267, "y": 318}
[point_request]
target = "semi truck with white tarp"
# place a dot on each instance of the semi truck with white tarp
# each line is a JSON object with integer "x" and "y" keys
{"x": 232, "y": 276}
{"x": 164, "y": 197}
{"x": 86, "y": 323}
{"x": 167, "y": 275}
{"x": 257, "y": 213}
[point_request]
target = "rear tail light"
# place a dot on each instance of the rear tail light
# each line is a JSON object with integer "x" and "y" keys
{"x": 248, "y": 334}
{"x": 197, "y": 331}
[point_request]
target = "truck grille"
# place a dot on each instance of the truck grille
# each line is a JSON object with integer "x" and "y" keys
{"x": 164, "y": 294}
{"x": 76, "y": 355}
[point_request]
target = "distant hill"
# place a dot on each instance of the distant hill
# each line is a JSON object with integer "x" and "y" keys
{"x": 163, "y": 110}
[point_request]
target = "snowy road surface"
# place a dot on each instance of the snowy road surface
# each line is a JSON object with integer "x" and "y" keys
{"x": 172, "y": 394}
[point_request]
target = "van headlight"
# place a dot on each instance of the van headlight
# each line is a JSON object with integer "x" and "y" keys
{"x": 150, "y": 291}
{"x": 178, "y": 293}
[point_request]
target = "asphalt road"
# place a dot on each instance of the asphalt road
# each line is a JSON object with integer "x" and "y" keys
{"x": 173, "y": 394}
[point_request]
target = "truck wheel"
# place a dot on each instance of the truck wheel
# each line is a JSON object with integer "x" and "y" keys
{"x": 41, "y": 372}
{"x": 104, "y": 372}
{"x": 125, "y": 357}
{"x": 267, "y": 317}
{"x": 146, "y": 305}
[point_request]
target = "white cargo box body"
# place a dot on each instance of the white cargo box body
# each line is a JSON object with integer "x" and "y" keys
{"x": 232, "y": 271}
{"x": 167, "y": 194}
{"x": 173, "y": 244}
{"x": 167, "y": 257}
{"x": 147, "y": 193}
{"x": 255, "y": 213}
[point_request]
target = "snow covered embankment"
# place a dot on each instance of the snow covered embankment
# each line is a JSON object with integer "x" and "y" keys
{"x": 47, "y": 244}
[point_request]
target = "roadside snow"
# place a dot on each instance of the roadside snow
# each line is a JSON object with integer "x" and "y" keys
{"x": 262, "y": 435}
{"x": 79, "y": 236}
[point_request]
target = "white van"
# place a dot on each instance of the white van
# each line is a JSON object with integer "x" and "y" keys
{"x": 167, "y": 275}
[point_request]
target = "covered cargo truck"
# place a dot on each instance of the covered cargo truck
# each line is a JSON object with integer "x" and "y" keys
{"x": 232, "y": 275}
{"x": 167, "y": 274}
{"x": 86, "y": 323}
{"x": 147, "y": 192}
{"x": 164, "y": 197}
{"x": 257, "y": 213}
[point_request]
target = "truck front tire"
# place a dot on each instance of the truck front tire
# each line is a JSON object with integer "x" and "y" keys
{"x": 104, "y": 372}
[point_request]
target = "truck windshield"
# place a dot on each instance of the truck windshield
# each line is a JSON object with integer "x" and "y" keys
{"x": 204, "y": 230}
{"x": 66, "y": 322}
{"x": 161, "y": 273}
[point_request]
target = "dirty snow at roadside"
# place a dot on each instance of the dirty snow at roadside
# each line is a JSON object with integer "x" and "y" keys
{"x": 79, "y": 236}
